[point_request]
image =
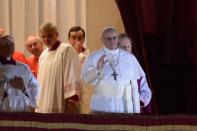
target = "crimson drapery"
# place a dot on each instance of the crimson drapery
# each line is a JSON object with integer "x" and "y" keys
{"x": 165, "y": 43}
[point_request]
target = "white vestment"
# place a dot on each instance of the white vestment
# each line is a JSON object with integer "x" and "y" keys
{"x": 59, "y": 77}
{"x": 16, "y": 99}
{"x": 110, "y": 95}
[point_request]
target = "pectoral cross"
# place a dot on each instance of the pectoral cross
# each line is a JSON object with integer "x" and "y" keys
{"x": 114, "y": 75}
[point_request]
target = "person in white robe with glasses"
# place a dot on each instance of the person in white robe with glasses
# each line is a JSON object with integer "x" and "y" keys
{"x": 114, "y": 73}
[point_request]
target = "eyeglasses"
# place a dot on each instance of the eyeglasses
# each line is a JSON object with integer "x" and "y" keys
{"x": 111, "y": 38}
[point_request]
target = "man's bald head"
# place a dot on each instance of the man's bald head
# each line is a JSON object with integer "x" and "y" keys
{"x": 34, "y": 45}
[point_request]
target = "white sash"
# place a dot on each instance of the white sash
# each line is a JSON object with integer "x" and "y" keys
{"x": 135, "y": 96}
{"x": 132, "y": 97}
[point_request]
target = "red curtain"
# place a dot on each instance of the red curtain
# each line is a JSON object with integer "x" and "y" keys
{"x": 164, "y": 32}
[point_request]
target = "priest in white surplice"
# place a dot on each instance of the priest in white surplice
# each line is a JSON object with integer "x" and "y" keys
{"x": 114, "y": 74}
{"x": 58, "y": 74}
{"x": 18, "y": 86}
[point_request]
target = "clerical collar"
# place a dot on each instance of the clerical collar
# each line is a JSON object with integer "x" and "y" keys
{"x": 55, "y": 46}
{"x": 113, "y": 52}
{"x": 7, "y": 60}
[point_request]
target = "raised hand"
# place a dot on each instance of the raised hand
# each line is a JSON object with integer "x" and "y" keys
{"x": 101, "y": 62}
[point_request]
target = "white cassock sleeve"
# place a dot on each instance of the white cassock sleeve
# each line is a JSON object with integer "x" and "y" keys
{"x": 31, "y": 87}
{"x": 145, "y": 92}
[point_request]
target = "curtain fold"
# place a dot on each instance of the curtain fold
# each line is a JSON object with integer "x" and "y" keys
{"x": 131, "y": 12}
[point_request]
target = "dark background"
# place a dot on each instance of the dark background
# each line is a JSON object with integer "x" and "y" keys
{"x": 164, "y": 34}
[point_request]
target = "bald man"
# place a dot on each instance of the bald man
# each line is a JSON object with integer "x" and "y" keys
{"x": 35, "y": 46}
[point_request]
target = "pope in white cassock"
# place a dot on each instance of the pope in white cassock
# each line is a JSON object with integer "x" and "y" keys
{"x": 114, "y": 73}
{"x": 18, "y": 86}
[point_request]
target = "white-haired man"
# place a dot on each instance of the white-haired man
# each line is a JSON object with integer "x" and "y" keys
{"x": 35, "y": 46}
{"x": 58, "y": 74}
{"x": 114, "y": 73}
